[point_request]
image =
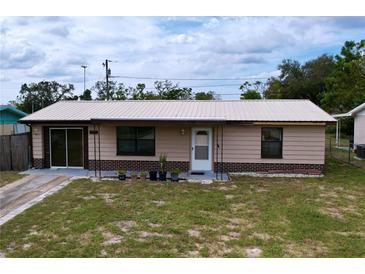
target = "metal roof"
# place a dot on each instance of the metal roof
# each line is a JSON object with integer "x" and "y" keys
{"x": 183, "y": 110}
{"x": 352, "y": 112}
{"x": 13, "y": 109}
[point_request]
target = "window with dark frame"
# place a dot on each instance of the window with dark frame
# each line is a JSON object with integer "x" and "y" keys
{"x": 138, "y": 141}
{"x": 272, "y": 142}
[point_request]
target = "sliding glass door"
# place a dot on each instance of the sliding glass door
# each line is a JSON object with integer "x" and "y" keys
{"x": 66, "y": 147}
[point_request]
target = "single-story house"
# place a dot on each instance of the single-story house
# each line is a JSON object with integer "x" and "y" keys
{"x": 9, "y": 116}
{"x": 358, "y": 114}
{"x": 227, "y": 136}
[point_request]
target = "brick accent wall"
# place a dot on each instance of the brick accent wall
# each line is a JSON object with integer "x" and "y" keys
{"x": 38, "y": 163}
{"x": 137, "y": 165}
{"x": 269, "y": 167}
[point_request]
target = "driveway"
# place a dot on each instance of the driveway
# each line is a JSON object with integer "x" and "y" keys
{"x": 17, "y": 196}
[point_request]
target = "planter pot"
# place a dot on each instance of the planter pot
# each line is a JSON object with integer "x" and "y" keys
{"x": 162, "y": 176}
{"x": 153, "y": 175}
{"x": 122, "y": 177}
{"x": 174, "y": 177}
{"x": 143, "y": 178}
{"x": 134, "y": 178}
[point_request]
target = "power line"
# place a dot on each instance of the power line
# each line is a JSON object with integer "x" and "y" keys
{"x": 207, "y": 86}
{"x": 191, "y": 79}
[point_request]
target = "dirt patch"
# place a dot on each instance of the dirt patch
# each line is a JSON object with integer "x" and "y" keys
{"x": 108, "y": 197}
{"x": 332, "y": 211}
{"x": 307, "y": 249}
{"x": 238, "y": 206}
{"x": 87, "y": 198}
{"x": 260, "y": 189}
{"x": 148, "y": 234}
{"x": 215, "y": 248}
{"x": 350, "y": 197}
{"x": 229, "y": 196}
{"x": 110, "y": 238}
{"x": 194, "y": 233}
{"x": 154, "y": 225}
{"x": 224, "y": 188}
{"x": 352, "y": 210}
{"x": 231, "y": 236}
{"x": 253, "y": 252}
{"x": 234, "y": 234}
{"x": 158, "y": 202}
{"x": 33, "y": 232}
{"x": 351, "y": 234}
{"x": 26, "y": 246}
{"x": 235, "y": 223}
{"x": 103, "y": 253}
{"x": 261, "y": 236}
{"x": 125, "y": 225}
{"x": 329, "y": 194}
{"x": 193, "y": 254}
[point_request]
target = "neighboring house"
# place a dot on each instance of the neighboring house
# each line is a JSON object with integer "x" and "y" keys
{"x": 358, "y": 114}
{"x": 229, "y": 136}
{"x": 9, "y": 116}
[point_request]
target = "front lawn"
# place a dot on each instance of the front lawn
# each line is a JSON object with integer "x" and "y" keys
{"x": 268, "y": 217}
{"x": 7, "y": 177}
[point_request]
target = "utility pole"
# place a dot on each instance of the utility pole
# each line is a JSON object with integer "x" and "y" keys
{"x": 84, "y": 67}
{"x": 107, "y": 74}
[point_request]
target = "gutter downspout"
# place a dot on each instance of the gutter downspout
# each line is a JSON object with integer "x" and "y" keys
{"x": 99, "y": 151}
{"x": 94, "y": 151}
{"x": 216, "y": 151}
{"x": 221, "y": 152}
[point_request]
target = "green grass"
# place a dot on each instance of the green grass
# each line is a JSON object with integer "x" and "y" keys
{"x": 7, "y": 177}
{"x": 282, "y": 217}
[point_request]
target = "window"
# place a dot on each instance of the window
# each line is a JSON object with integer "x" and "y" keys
{"x": 138, "y": 141}
{"x": 271, "y": 142}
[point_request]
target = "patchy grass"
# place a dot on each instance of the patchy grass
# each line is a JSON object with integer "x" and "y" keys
{"x": 251, "y": 217}
{"x": 7, "y": 177}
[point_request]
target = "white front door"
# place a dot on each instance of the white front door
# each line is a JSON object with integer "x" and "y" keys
{"x": 201, "y": 156}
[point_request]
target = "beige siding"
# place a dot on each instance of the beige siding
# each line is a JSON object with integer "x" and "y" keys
{"x": 301, "y": 144}
{"x": 359, "y": 128}
{"x": 241, "y": 143}
{"x": 168, "y": 140}
{"x": 37, "y": 138}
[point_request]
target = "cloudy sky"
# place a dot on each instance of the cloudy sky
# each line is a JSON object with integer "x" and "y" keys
{"x": 53, "y": 48}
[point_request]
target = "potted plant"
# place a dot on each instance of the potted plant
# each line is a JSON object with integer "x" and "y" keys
{"x": 175, "y": 175}
{"x": 142, "y": 175}
{"x": 121, "y": 175}
{"x": 162, "y": 172}
{"x": 134, "y": 176}
{"x": 153, "y": 175}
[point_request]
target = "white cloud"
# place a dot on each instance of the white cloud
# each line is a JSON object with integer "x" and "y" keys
{"x": 53, "y": 48}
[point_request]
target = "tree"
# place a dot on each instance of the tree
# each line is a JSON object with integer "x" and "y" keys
{"x": 210, "y": 95}
{"x": 251, "y": 91}
{"x": 346, "y": 84}
{"x": 116, "y": 91}
{"x": 298, "y": 81}
{"x": 169, "y": 91}
{"x": 35, "y": 96}
{"x": 86, "y": 95}
{"x": 139, "y": 93}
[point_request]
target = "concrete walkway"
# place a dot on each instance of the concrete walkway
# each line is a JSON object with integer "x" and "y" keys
{"x": 21, "y": 194}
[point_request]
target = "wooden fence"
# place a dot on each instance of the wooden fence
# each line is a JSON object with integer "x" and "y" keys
{"x": 15, "y": 151}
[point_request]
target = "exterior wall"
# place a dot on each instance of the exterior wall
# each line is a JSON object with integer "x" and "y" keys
{"x": 167, "y": 137}
{"x": 301, "y": 145}
{"x": 303, "y": 148}
{"x": 37, "y": 141}
{"x": 359, "y": 128}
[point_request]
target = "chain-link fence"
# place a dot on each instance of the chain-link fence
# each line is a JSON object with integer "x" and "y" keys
{"x": 342, "y": 150}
